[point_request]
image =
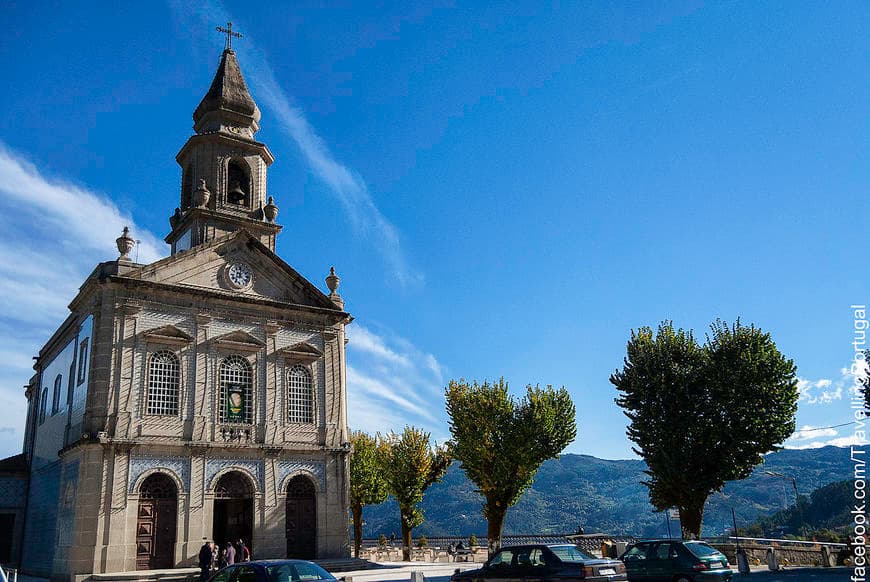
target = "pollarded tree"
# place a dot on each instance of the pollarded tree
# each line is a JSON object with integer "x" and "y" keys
{"x": 704, "y": 415}
{"x": 501, "y": 443}
{"x": 367, "y": 484}
{"x": 410, "y": 465}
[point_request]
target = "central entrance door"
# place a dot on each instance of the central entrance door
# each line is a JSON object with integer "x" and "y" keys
{"x": 301, "y": 519}
{"x": 233, "y": 510}
{"x": 155, "y": 524}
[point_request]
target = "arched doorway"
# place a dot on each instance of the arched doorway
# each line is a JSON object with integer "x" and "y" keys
{"x": 301, "y": 519}
{"x": 155, "y": 524}
{"x": 233, "y": 510}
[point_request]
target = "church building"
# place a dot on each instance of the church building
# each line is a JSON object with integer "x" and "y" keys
{"x": 202, "y": 396}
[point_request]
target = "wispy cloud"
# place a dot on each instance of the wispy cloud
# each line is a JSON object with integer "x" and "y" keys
{"x": 392, "y": 383}
{"x": 825, "y": 390}
{"x": 345, "y": 184}
{"x": 54, "y": 233}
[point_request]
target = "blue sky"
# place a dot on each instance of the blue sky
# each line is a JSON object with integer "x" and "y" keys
{"x": 505, "y": 190}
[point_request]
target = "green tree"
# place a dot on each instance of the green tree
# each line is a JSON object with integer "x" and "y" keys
{"x": 501, "y": 443}
{"x": 703, "y": 415}
{"x": 367, "y": 484}
{"x": 410, "y": 465}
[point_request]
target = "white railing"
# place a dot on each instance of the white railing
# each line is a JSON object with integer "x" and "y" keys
{"x": 787, "y": 542}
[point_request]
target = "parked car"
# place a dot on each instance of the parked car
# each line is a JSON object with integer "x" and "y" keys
{"x": 272, "y": 571}
{"x": 545, "y": 563}
{"x": 677, "y": 561}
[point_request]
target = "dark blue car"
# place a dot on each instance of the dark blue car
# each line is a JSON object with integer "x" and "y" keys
{"x": 273, "y": 571}
{"x": 675, "y": 561}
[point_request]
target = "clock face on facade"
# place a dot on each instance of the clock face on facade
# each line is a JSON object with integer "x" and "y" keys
{"x": 239, "y": 275}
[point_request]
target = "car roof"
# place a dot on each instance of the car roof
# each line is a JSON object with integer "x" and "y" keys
{"x": 273, "y": 562}
{"x": 520, "y": 546}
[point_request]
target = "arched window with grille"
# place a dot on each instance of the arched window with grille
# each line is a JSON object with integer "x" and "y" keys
{"x": 163, "y": 381}
{"x": 235, "y": 382}
{"x": 300, "y": 395}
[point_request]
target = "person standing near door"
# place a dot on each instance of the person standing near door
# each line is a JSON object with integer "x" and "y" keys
{"x": 205, "y": 560}
{"x": 229, "y": 554}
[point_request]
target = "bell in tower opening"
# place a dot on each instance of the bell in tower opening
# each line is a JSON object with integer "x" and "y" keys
{"x": 237, "y": 180}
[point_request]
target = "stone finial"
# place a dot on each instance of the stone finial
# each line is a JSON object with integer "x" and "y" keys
{"x": 125, "y": 243}
{"x": 175, "y": 218}
{"x": 270, "y": 210}
{"x": 202, "y": 194}
{"x": 332, "y": 282}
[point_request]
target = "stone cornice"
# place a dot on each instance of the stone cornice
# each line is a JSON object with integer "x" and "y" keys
{"x": 233, "y": 140}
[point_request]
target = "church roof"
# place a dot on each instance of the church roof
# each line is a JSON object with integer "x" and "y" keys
{"x": 228, "y": 93}
{"x": 179, "y": 271}
{"x": 14, "y": 464}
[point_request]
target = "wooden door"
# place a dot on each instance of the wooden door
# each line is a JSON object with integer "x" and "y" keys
{"x": 155, "y": 524}
{"x": 301, "y": 519}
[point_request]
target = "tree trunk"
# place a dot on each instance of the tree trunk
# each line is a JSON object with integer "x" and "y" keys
{"x": 356, "y": 511}
{"x": 494, "y": 525}
{"x": 690, "y": 521}
{"x": 406, "y": 540}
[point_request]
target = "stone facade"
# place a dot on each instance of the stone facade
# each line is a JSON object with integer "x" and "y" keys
{"x": 197, "y": 396}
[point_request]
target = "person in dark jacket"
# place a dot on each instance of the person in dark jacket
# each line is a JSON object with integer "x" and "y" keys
{"x": 243, "y": 554}
{"x": 205, "y": 559}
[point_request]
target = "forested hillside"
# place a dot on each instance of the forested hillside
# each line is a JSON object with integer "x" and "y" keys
{"x": 607, "y": 496}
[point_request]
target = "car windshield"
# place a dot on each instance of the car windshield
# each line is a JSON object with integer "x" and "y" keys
{"x": 570, "y": 554}
{"x": 297, "y": 571}
{"x": 702, "y": 550}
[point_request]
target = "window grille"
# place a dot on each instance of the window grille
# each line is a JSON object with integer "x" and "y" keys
{"x": 55, "y": 402}
{"x": 236, "y": 371}
{"x": 158, "y": 486}
{"x": 83, "y": 361}
{"x": 300, "y": 397}
{"x": 163, "y": 381}
{"x": 233, "y": 485}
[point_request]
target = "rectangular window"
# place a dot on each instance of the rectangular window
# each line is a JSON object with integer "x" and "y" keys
{"x": 83, "y": 361}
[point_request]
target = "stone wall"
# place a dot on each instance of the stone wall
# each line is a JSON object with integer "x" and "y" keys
{"x": 787, "y": 555}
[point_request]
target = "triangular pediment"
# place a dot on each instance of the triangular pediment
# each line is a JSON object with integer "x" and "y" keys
{"x": 301, "y": 352}
{"x": 168, "y": 334}
{"x": 238, "y": 340}
{"x": 208, "y": 267}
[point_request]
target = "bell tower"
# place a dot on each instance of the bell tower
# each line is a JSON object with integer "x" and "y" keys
{"x": 223, "y": 168}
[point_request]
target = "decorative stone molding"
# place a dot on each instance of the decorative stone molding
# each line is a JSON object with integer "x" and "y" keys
{"x": 238, "y": 341}
{"x": 168, "y": 334}
{"x": 177, "y": 467}
{"x": 253, "y": 468}
{"x": 235, "y": 434}
{"x": 302, "y": 352}
{"x": 288, "y": 469}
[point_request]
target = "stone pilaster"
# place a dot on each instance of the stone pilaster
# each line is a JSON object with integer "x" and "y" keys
{"x": 202, "y": 430}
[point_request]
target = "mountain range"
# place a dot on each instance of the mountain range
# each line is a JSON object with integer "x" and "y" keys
{"x": 607, "y": 496}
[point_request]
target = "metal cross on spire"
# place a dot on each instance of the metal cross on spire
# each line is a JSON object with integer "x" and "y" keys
{"x": 230, "y": 34}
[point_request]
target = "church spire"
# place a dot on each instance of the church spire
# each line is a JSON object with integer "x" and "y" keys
{"x": 228, "y": 165}
{"x": 228, "y": 102}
